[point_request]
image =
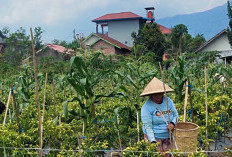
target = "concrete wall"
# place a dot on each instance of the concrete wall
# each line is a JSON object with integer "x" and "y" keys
{"x": 121, "y": 30}
{"x": 219, "y": 44}
{"x": 90, "y": 41}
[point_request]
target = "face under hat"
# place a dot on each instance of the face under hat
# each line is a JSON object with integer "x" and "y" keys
{"x": 155, "y": 86}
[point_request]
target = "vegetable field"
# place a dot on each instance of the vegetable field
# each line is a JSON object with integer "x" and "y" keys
{"x": 90, "y": 105}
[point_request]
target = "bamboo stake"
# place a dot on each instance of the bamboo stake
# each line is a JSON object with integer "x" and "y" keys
{"x": 185, "y": 101}
{"x": 37, "y": 93}
{"x": 206, "y": 106}
{"x": 16, "y": 109}
{"x": 119, "y": 138}
{"x": 190, "y": 100}
{"x": 44, "y": 101}
{"x": 10, "y": 116}
{"x": 170, "y": 133}
{"x": 7, "y": 106}
{"x": 138, "y": 124}
{"x": 54, "y": 93}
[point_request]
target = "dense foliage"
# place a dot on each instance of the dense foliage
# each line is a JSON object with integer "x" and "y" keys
{"x": 149, "y": 40}
{"x": 93, "y": 104}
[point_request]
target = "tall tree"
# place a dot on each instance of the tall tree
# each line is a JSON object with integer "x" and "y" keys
{"x": 195, "y": 43}
{"x": 177, "y": 37}
{"x": 37, "y": 38}
{"x": 150, "y": 39}
{"x": 229, "y": 30}
{"x": 18, "y": 46}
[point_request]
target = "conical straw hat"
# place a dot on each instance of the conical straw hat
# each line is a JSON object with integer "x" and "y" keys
{"x": 155, "y": 86}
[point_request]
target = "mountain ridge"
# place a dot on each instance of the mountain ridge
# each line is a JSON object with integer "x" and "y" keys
{"x": 208, "y": 23}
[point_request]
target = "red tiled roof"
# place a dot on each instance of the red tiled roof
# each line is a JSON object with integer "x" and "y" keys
{"x": 164, "y": 30}
{"x": 117, "y": 16}
{"x": 59, "y": 48}
{"x": 113, "y": 41}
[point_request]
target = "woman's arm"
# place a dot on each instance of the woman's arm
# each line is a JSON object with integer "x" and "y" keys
{"x": 146, "y": 117}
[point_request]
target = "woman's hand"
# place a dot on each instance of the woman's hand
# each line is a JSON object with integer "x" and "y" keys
{"x": 171, "y": 126}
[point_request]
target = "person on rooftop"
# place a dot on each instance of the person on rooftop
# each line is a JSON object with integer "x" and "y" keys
{"x": 155, "y": 115}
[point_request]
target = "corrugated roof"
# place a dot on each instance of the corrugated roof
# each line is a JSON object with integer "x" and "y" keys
{"x": 117, "y": 16}
{"x": 113, "y": 41}
{"x": 211, "y": 40}
{"x": 59, "y": 48}
{"x": 164, "y": 30}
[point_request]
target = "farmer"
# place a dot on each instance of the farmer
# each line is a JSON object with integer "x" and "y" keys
{"x": 2, "y": 107}
{"x": 155, "y": 115}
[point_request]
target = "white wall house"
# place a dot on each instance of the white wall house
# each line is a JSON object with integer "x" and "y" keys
{"x": 218, "y": 43}
{"x": 121, "y": 25}
{"x": 115, "y": 32}
{"x": 121, "y": 30}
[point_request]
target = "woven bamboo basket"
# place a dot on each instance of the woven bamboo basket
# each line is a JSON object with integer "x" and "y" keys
{"x": 186, "y": 136}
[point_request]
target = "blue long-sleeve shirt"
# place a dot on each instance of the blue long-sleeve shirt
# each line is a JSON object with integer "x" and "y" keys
{"x": 155, "y": 118}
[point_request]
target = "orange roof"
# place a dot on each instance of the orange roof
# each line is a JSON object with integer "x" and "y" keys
{"x": 164, "y": 30}
{"x": 59, "y": 48}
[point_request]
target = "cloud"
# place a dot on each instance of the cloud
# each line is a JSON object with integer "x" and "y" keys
{"x": 53, "y": 12}
{"x": 45, "y": 12}
{"x": 59, "y": 17}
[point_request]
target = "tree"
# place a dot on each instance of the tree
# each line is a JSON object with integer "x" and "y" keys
{"x": 195, "y": 43}
{"x": 18, "y": 46}
{"x": 60, "y": 42}
{"x": 229, "y": 30}
{"x": 37, "y": 38}
{"x": 149, "y": 39}
{"x": 177, "y": 37}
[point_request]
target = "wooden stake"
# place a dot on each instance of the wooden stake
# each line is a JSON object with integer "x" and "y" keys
{"x": 170, "y": 132}
{"x": 37, "y": 93}
{"x": 138, "y": 125}
{"x": 54, "y": 93}
{"x": 119, "y": 138}
{"x": 206, "y": 107}
{"x": 16, "y": 110}
{"x": 7, "y": 106}
{"x": 185, "y": 101}
{"x": 190, "y": 100}
{"x": 44, "y": 101}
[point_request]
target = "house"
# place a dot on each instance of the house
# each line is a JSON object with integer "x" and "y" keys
{"x": 218, "y": 43}
{"x": 117, "y": 28}
{"x": 107, "y": 45}
{"x": 2, "y": 42}
{"x": 58, "y": 52}
{"x": 55, "y": 52}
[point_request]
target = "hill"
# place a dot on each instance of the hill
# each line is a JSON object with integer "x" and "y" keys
{"x": 208, "y": 23}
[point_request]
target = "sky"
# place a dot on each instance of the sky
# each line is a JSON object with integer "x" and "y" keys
{"x": 58, "y": 18}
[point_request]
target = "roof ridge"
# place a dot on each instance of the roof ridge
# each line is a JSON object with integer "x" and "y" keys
{"x": 210, "y": 40}
{"x": 118, "y": 44}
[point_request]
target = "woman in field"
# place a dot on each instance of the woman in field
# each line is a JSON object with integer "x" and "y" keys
{"x": 155, "y": 115}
